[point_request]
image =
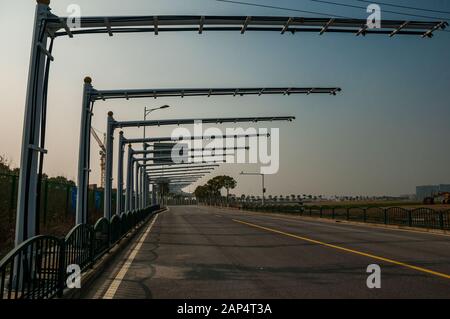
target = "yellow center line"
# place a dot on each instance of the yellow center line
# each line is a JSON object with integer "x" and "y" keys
{"x": 352, "y": 251}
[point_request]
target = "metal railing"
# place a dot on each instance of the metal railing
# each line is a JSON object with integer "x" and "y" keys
{"x": 36, "y": 269}
{"x": 422, "y": 217}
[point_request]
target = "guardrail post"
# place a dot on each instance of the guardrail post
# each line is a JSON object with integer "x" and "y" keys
{"x": 385, "y": 216}
{"x": 45, "y": 201}
{"x": 365, "y": 214}
{"x": 348, "y": 213}
{"x": 409, "y": 218}
{"x": 91, "y": 247}
{"x": 61, "y": 270}
{"x": 441, "y": 220}
{"x": 333, "y": 213}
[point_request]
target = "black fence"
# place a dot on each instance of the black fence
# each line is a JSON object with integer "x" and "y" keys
{"x": 36, "y": 269}
{"x": 56, "y": 209}
{"x": 179, "y": 201}
{"x": 419, "y": 217}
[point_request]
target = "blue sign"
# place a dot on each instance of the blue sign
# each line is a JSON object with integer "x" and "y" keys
{"x": 73, "y": 196}
{"x": 98, "y": 199}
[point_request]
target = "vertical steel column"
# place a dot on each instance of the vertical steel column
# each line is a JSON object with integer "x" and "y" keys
{"x": 136, "y": 198}
{"x": 132, "y": 184}
{"x": 109, "y": 165}
{"x": 119, "y": 205}
{"x": 142, "y": 187}
{"x": 128, "y": 192}
{"x": 26, "y": 199}
{"x": 263, "y": 190}
{"x": 146, "y": 189}
{"x": 83, "y": 154}
{"x": 153, "y": 194}
{"x": 145, "y": 146}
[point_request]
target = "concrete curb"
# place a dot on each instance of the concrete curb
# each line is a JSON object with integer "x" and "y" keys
{"x": 94, "y": 273}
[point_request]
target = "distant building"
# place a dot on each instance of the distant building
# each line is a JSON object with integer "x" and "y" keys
{"x": 429, "y": 190}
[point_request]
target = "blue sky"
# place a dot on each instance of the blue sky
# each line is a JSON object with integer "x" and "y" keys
{"x": 386, "y": 133}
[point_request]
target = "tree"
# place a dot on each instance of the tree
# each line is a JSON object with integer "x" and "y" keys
{"x": 217, "y": 183}
{"x": 61, "y": 180}
{"x": 5, "y": 164}
{"x": 201, "y": 192}
{"x": 227, "y": 182}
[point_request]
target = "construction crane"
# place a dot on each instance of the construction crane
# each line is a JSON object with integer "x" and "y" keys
{"x": 102, "y": 154}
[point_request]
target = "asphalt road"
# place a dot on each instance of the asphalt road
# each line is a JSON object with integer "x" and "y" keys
{"x": 203, "y": 252}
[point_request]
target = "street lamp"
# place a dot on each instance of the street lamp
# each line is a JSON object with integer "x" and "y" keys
{"x": 262, "y": 177}
{"x": 147, "y": 111}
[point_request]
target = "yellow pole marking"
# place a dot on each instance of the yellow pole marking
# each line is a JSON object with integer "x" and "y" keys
{"x": 123, "y": 271}
{"x": 398, "y": 263}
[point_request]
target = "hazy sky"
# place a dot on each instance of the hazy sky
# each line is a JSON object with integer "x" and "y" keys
{"x": 386, "y": 133}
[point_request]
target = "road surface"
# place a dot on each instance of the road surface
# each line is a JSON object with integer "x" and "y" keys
{"x": 203, "y": 252}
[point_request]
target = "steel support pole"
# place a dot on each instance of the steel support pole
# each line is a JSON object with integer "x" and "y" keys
{"x": 145, "y": 147}
{"x": 84, "y": 154}
{"x": 263, "y": 190}
{"x": 154, "y": 194}
{"x": 109, "y": 165}
{"x": 128, "y": 191}
{"x": 119, "y": 206}
{"x": 145, "y": 189}
{"x": 132, "y": 184}
{"x": 28, "y": 178}
{"x": 142, "y": 188}
{"x": 136, "y": 187}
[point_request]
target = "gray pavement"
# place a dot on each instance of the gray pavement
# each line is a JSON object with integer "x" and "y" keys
{"x": 204, "y": 252}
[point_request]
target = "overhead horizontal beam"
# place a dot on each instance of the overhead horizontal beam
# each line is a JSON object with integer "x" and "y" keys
{"x": 123, "y": 124}
{"x": 191, "y": 150}
{"x": 188, "y": 138}
{"x": 196, "y": 171}
{"x": 190, "y": 169}
{"x": 208, "y": 92}
{"x": 169, "y": 158}
{"x": 172, "y": 181}
{"x": 170, "y": 173}
{"x": 178, "y": 179}
{"x": 177, "y": 164}
{"x": 202, "y": 24}
{"x": 192, "y": 166}
{"x": 194, "y": 174}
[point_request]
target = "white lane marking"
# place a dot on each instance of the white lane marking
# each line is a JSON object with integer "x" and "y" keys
{"x": 123, "y": 271}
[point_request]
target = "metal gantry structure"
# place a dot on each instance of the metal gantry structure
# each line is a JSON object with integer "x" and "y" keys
{"x": 112, "y": 124}
{"x": 91, "y": 95}
{"x": 81, "y": 217}
{"x": 47, "y": 27}
{"x": 136, "y": 172}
